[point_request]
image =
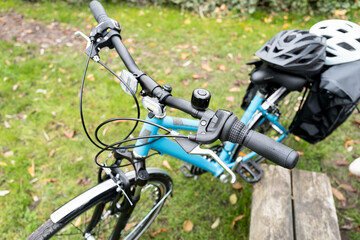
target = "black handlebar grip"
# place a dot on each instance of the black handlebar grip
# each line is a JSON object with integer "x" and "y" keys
{"x": 98, "y": 11}
{"x": 269, "y": 148}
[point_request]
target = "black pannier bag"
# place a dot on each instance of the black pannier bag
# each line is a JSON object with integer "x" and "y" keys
{"x": 330, "y": 101}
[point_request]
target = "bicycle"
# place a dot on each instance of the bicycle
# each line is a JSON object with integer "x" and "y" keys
{"x": 124, "y": 204}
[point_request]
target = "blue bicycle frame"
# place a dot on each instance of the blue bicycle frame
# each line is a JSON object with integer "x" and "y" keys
{"x": 169, "y": 147}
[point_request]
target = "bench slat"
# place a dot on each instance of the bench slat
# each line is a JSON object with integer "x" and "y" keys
{"x": 271, "y": 207}
{"x": 315, "y": 214}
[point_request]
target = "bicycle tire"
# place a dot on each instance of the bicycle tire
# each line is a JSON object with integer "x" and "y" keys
{"x": 159, "y": 181}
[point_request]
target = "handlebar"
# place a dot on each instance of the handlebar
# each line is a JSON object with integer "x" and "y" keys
{"x": 146, "y": 82}
{"x": 98, "y": 12}
{"x": 263, "y": 145}
{"x": 228, "y": 129}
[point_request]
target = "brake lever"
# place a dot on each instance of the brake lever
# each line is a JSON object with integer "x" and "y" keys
{"x": 197, "y": 150}
{"x": 80, "y": 34}
{"x": 193, "y": 148}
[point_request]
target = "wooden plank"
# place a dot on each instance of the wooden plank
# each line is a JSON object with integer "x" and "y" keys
{"x": 271, "y": 209}
{"x": 314, "y": 208}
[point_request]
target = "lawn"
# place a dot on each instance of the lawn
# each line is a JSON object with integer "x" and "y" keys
{"x": 45, "y": 157}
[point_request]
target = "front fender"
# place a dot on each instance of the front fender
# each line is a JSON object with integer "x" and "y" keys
{"x": 84, "y": 201}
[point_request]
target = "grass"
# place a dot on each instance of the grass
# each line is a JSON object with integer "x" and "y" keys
{"x": 159, "y": 38}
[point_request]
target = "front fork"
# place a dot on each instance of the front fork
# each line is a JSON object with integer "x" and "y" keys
{"x": 132, "y": 195}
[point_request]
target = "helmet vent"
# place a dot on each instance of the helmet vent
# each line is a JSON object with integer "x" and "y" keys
{"x": 285, "y": 57}
{"x": 276, "y": 50}
{"x": 329, "y": 54}
{"x": 358, "y": 39}
{"x": 289, "y": 38}
{"x": 308, "y": 38}
{"x": 324, "y": 27}
{"x": 342, "y": 30}
{"x": 346, "y": 46}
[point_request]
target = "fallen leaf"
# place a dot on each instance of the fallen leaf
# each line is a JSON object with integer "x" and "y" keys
{"x": 161, "y": 82}
{"x": 70, "y": 134}
{"x": 152, "y": 44}
{"x": 297, "y": 138}
{"x": 204, "y": 85}
{"x": 83, "y": 181}
{"x": 130, "y": 225}
{"x": 242, "y": 154}
{"x": 91, "y": 77}
{"x": 15, "y": 87}
{"x": 340, "y": 13}
{"x": 347, "y": 187}
{"x": 43, "y": 91}
{"x": 46, "y": 136}
{"x": 341, "y": 162}
{"x": 234, "y": 89}
{"x": 3, "y": 193}
{"x": 153, "y": 234}
{"x": 206, "y": 67}
{"x": 3, "y": 164}
{"x": 347, "y": 227}
{"x": 188, "y": 226}
{"x": 52, "y": 152}
{"x": 34, "y": 180}
{"x": 268, "y": 19}
{"x": 78, "y": 222}
{"x": 31, "y": 169}
{"x": 222, "y": 67}
{"x": 349, "y": 142}
{"x": 300, "y": 153}
{"x": 307, "y": 18}
{"x": 186, "y": 64}
{"x": 216, "y": 223}
{"x": 184, "y": 56}
{"x": 233, "y": 199}
{"x": 286, "y": 26}
{"x": 131, "y": 50}
{"x": 197, "y": 76}
{"x": 50, "y": 180}
{"x": 8, "y": 154}
{"x": 338, "y": 194}
{"x": 357, "y": 121}
{"x": 230, "y": 99}
{"x": 168, "y": 71}
{"x": 187, "y": 21}
{"x": 237, "y": 185}
{"x": 7, "y": 124}
{"x": 166, "y": 164}
{"x": 238, "y": 218}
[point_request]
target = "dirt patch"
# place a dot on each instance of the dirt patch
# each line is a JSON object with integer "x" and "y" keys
{"x": 15, "y": 28}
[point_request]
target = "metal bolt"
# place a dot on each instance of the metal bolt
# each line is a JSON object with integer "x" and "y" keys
{"x": 224, "y": 178}
{"x": 203, "y": 123}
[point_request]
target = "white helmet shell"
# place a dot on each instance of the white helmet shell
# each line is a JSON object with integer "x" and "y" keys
{"x": 343, "y": 40}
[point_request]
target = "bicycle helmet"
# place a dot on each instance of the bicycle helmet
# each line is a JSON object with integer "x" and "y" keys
{"x": 295, "y": 51}
{"x": 343, "y": 40}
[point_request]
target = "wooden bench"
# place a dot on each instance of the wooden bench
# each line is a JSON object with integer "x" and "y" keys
{"x": 293, "y": 205}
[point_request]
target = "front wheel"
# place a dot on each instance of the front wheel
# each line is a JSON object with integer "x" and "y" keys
{"x": 88, "y": 216}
